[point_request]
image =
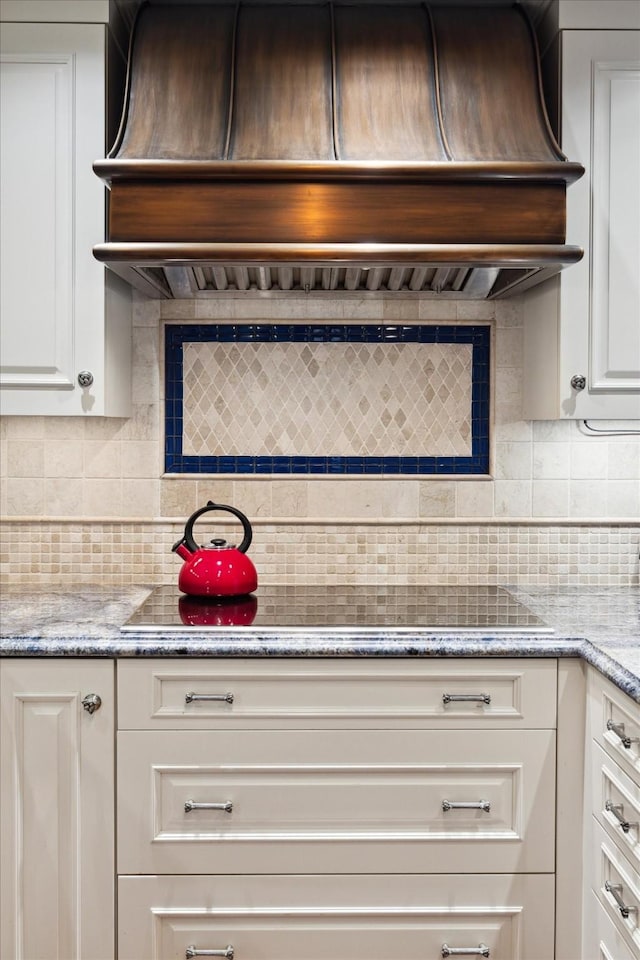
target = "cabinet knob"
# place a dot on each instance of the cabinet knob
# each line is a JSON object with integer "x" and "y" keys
{"x": 578, "y": 381}
{"x": 92, "y": 702}
{"x": 85, "y": 378}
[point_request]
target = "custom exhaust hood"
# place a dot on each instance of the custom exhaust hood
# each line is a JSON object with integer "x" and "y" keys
{"x": 335, "y": 147}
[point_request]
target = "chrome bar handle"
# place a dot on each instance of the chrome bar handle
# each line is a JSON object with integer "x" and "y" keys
{"x": 466, "y": 698}
{"x": 482, "y": 950}
{"x": 616, "y": 809}
{"x": 466, "y": 805}
{"x": 615, "y": 890}
{"x": 220, "y": 697}
{"x": 618, "y": 729}
{"x": 190, "y": 805}
{"x": 192, "y": 951}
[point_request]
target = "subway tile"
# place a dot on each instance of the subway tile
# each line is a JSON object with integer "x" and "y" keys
{"x": 513, "y": 461}
{"x": 25, "y": 458}
{"x": 474, "y": 498}
{"x": 512, "y": 498}
{"x": 550, "y": 498}
{"x": 623, "y": 499}
{"x": 62, "y": 496}
{"x": 178, "y": 497}
{"x": 624, "y": 459}
{"x": 25, "y": 496}
{"x": 589, "y": 463}
{"x": 141, "y": 459}
{"x": 550, "y": 461}
{"x": 102, "y": 459}
{"x": 63, "y": 459}
{"x": 140, "y": 498}
{"x": 102, "y": 498}
{"x": 436, "y": 498}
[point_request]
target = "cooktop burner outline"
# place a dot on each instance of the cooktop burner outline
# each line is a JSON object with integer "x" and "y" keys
{"x": 350, "y": 609}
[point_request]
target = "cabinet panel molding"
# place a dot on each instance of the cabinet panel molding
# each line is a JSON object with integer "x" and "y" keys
{"x": 36, "y": 145}
{"x": 312, "y": 918}
{"x": 615, "y": 147}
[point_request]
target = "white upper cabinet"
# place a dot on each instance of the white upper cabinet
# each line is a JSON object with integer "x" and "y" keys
{"x": 64, "y": 322}
{"x": 582, "y": 329}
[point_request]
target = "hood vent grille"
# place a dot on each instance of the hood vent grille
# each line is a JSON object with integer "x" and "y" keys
{"x": 335, "y": 147}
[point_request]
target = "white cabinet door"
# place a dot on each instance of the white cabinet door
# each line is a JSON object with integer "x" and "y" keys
{"x": 586, "y": 322}
{"x": 55, "y": 297}
{"x": 336, "y": 918}
{"x": 57, "y": 822}
{"x": 383, "y": 801}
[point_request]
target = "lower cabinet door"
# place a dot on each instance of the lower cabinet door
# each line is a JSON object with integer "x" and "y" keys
{"x": 56, "y": 797}
{"x": 617, "y": 885}
{"x": 344, "y": 917}
{"x": 607, "y": 944}
{"x": 356, "y": 801}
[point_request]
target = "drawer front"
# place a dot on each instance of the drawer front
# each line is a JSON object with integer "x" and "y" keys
{"x": 236, "y": 694}
{"x": 617, "y": 886}
{"x": 346, "y": 917}
{"x": 615, "y": 723}
{"x": 314, "y": 801}
{"x": 616, "y": 804}
{"x": 608, "y": 942}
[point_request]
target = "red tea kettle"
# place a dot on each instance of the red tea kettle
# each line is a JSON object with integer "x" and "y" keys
{"x": 217, "y": 569}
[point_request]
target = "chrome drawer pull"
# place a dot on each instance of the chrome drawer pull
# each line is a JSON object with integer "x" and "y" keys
{"x": 466, "y": 805}
{"x": 618, "y": 729}
{"x": 616, "y": 809}
{"x": 614, "y": 890}
{"x": 190, "y": 805}
{"x": 466, "y": 698}
{"x": 482, "y": 950}
{"x": 192, "y": 951}
{"x": 223, "y": 697}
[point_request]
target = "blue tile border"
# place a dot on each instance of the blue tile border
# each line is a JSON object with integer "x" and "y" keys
{"x": 176, "y": 335}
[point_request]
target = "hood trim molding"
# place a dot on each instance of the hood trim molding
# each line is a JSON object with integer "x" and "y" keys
{"x": 435, "y": 163}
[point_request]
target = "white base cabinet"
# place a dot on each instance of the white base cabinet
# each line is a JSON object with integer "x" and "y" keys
{"x": 313, "y": 808}
{"x": 612, "y": 826}
{"x": 356, "y": 809}
{"x": 57, "y": 820}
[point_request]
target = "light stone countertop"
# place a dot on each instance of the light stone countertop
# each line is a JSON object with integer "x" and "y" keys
{"x": 601, "y": 626}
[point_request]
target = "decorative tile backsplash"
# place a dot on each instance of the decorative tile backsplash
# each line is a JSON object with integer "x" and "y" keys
{"x": 123, "y": 553}
{"x": 327, "y": 399}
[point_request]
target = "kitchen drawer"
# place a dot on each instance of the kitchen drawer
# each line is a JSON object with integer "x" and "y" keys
{"x": 314, "y": 801}
{"x": 616, "y": 804}
{"x": 615, "y": 723}
{"x": 342, "y": 918}
{"x": 608, "y": 943}
{"x": 159, "y": 694}
{"x": 617, "y": 886}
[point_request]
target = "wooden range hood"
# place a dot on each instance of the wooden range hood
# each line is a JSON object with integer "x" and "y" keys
{"x": 335, "y": 147}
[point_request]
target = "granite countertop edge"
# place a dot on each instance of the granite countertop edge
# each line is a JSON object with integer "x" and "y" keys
{"x": 92, "y": 629}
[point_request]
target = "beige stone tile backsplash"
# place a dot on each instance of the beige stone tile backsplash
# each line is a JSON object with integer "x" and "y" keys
{"x": 73, "y": 467}
{"x": 100, "y": 482}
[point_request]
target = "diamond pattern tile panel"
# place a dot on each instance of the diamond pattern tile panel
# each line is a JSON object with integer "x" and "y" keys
{"x": 319, "y": 399}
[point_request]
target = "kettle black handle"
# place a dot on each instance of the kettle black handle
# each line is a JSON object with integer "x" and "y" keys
{"x": 188, "y": 530}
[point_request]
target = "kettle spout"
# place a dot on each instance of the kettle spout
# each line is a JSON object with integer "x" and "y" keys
{"x": 182, "y": 550}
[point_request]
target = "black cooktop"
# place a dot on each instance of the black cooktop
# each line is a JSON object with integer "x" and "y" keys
{"x": 306, "y": 607}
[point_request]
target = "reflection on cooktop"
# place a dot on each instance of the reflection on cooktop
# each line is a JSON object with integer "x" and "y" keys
{"x": 356, "y": 608}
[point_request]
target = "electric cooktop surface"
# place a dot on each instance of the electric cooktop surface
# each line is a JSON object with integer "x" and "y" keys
{"x": 356, "y": 608}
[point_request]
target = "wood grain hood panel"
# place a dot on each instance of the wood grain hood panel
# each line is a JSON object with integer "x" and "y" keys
{"x": 335, "y": 146}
